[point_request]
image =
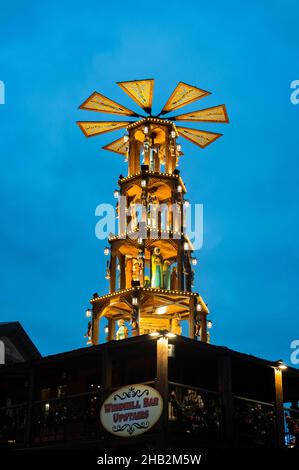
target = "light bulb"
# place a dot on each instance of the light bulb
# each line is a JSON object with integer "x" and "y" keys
{"x": 281, "y": 365}
{"x": 155, "y": 334}
{"x": 170, "y": 335}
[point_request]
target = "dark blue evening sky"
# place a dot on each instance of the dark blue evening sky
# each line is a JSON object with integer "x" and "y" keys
{"x": 52, "y": 56}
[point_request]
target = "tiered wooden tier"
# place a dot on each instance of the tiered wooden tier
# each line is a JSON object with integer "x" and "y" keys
{"x": 157, "y": 309}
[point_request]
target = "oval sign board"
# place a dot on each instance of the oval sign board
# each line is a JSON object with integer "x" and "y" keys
{"x": 131, "y": 410}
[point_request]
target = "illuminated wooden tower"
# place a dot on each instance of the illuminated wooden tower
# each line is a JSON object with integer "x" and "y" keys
{"x": 151, "y": 258}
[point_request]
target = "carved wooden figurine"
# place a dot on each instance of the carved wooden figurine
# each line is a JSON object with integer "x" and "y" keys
{"x": 122, "y": 332}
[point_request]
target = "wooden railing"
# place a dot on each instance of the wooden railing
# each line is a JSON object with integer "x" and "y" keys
{"x": 194, "y": 412}
{"x": 292, "y": 427}
{"x": 13, "y": 421}
{"x": 66, "y": 419}
{"x": 254, "y": 423}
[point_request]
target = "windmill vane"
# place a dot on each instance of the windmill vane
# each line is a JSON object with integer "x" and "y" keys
{"x": 141, "y": 91}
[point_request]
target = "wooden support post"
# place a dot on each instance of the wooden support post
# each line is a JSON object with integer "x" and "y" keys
{"x": 280, "y": 430}
{"x": 167, "y": 151}
{"x": 111, "y": 329}
{"x": 175, "y": 214}
{"x": 112, "y": 272}
{"x": 157, "y": 162}
{"x": 134, "y": 157}
{"x": 162, "y": 381}
{"x": 181, "y": 206}
{"x": 138, "y": 319}
{"x": 122, "y": 264}
{"x": 191, "y": 317}
{"x": 151, "y": 268}
{"x": 168, "y": 216}
{"x": 180, "y": 264}
{"x": 137, "y": 158}
{"x": 203, "y": 326}
{"x": 30, "y": 408}
{"x": 225, "y": 388}
{"x": 106, "y": 373}
{"x": 144, "y": 204}
{"x": 131, "y": 157}
{"x": 95, "y": 329}
{"x": 172, "y": 163}
{"x": 188, "y": 269}
{"x": 147, "y": 157}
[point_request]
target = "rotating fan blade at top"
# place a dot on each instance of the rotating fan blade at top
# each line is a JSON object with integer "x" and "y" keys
{"x": 214, "y": 114}
{"x": 99, "y": 102}
{"x": 91, "y": 128}
{"x": 198, "y": 137}
{"x": 182, "y": 95}
{"x": 141, "y": 91}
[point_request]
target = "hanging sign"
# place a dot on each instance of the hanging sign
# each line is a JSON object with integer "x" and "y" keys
{"x": 131, "y": 410}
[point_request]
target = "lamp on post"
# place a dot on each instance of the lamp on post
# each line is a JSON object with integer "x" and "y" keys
{"x": 281, "y": 365}
{"x": 88, "y": 313}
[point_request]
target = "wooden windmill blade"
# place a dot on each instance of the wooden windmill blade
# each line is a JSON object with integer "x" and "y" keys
{"x": 214, "y": 114}
{"x": 182, "y": 95}
{"x": 99, "y": 102}
{"x": 117, "y": 146}
{"x": 91, "y": 128}
{"x": 198, "y": 137}
{"x": 141, "y": 91}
